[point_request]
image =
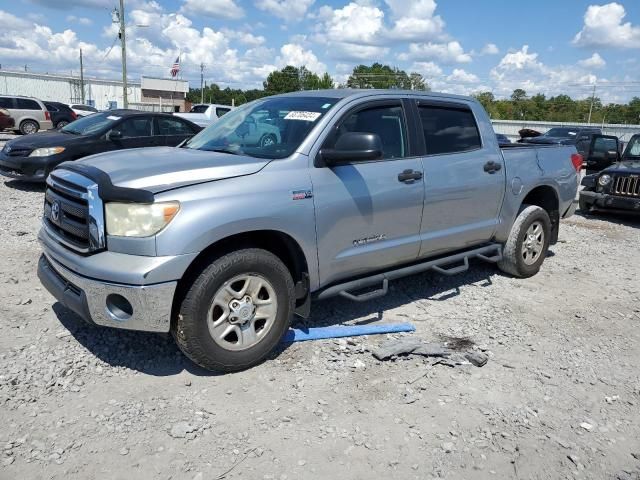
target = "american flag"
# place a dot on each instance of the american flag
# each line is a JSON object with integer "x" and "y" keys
{"x": 176, "y": 67}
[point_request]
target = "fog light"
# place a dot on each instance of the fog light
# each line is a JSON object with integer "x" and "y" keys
{"x": 119, "y": 307}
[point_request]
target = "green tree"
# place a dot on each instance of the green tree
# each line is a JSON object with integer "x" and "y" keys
{"x": 518, "y": 95}
{"x": 418, "y": 82}
{"x": 282, "y": 81}
{"x": 378, "y": 76}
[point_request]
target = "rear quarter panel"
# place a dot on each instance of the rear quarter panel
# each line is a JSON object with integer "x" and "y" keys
{"x": 531, "y": 167}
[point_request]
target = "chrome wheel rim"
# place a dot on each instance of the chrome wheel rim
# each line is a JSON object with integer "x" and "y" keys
{"x": 533, "y": 243}
{"x": 29, "y": 128}
{"x": 268, "y": 141}
{"x": 242, "y": 312}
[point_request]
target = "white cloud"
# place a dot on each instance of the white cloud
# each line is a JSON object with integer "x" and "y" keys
{"x": 520, "y": 60}
{"x": 246, "y": 38}
{"x": 213, "y": 8}
{"x": 447, "y": 53}
{"x": 415, "y": 20}
{"x": 603, "y": 27}
{"x": 427, "y": 69}
{"x": 293, "y": 54}
{"x": 352, "y": 32}
{"x": 490, "y": 49}
{"x": 79, "y": 20}
{"x": 461, "y": 76}
{"x": 288, "y": 10}
{"x": 67, "y": 4}
{"x": 594, "y": 61}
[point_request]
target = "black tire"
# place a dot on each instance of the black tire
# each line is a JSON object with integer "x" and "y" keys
{"x": 29, "y": 126}
{"x": 267, "y": 140}
{"x": 62, "y": 123}
{"x": 513, "y": 261}
{"x": 191, "y": 329}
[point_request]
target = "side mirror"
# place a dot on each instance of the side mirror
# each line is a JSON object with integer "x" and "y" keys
{"x": 114, "y": 135}
{"x": 611, "y": 155}
{"x": 353, "y": 147}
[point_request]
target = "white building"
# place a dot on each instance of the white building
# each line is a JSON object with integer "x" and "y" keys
{"x": 155, "y": 94}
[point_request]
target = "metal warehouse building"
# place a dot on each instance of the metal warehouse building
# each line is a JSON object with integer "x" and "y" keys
{"x": 152, "y": 94}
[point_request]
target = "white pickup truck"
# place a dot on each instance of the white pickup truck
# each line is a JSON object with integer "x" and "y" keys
{"x": 204, "y": 114}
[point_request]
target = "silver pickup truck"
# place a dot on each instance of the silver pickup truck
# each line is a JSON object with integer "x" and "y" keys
{"x": 221, "y": 241}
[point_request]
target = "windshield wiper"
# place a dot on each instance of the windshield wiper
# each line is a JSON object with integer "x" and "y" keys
{"x": 220, "y": 150}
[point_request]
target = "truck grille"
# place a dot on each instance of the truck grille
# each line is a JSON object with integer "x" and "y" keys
{"x": 627, "y": 185}
{"x": 72, "y": 214}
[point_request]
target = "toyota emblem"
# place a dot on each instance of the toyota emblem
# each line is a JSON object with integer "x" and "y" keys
{"x": 55, "y": 211}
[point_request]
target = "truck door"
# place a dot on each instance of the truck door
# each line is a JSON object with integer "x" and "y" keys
{"x": 464, "y": 179}
{"x": 368, "y": 212}
{"x": 603, "y": 152}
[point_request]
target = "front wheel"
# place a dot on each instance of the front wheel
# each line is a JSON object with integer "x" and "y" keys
{"x": 28, "y": 127}
{"x": 528, "y": 241}
{"x": 236, "y": 311}
{"x": 268, "y": 140}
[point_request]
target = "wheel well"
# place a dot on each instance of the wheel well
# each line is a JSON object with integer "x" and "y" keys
{"x": 280, "y": 244}
{"x": 546, "y": 197}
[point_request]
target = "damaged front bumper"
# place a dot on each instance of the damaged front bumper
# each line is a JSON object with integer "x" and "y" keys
{"x": 604, "y": 201}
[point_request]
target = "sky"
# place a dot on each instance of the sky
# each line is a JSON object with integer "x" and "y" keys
{"x": 460, "y": 46}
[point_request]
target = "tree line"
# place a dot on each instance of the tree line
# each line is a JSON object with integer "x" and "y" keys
{"x": 520, "y": 106}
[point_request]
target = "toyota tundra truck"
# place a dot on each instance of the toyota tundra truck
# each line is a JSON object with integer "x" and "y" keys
{"x": 221, "y": 241}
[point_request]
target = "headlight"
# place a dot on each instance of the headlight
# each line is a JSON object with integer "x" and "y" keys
{"x": 45, "y": 152}
{"x": 604, "y": 180}
{"x": 139, "y": 220}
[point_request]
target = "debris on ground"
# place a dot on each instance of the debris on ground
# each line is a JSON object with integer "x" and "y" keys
{"x": 415, "y": 346}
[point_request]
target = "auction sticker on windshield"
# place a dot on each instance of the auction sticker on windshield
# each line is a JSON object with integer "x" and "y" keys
{"x": 305, "y": 116}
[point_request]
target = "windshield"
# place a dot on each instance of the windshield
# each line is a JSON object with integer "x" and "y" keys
{"x": 562, "y": 132}
{"x": 90, "y": 124}
{"x": 267, "y": 128}
{"x": 633, "y": 148}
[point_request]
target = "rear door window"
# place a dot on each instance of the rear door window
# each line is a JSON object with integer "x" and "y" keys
{"x": 387, "y": 122}
{"x": 27, "y": 104}
{"x": 221, "y": 111}
{"x": 449, "y": 129}
{"x": 136, "y": 127}
{"x": 173, "y": 126}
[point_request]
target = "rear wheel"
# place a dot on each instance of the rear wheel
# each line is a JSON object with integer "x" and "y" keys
{"x": 28, "y": 127}
{"x": 268, "y": 140}
{"x": 527, "y": 245}
{"x": 236, "y": 311}
{"x": 62, "y": 123}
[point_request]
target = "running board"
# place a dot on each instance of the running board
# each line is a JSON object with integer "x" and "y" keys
{"x": 490, "y": 253}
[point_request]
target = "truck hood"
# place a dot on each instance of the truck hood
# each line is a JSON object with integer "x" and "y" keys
{"x": 625, "y": 166}
{"x": 163, "y": 168}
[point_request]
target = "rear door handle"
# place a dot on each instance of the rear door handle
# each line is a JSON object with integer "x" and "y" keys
{"x": 492, "y": 167}
{"x": 409, "y": 176}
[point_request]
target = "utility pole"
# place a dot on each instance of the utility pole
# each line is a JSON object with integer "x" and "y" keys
{"x": 593, "y": 98}
{"x": 81, "y": 80}
{"x": 201, "y": 82}
{"x": 118, "y": 17}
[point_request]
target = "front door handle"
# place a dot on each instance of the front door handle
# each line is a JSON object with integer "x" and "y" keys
{"x": 492, "y": 167}
{"x": 409, "y": 176}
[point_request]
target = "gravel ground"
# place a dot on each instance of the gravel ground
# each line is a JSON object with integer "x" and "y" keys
{"x": 559, "y": 397}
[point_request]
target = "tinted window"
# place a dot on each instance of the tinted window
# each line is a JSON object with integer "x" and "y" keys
{"x": 135, "y": 127}
{"x": 51, "y": 107}
{"x": 633, "y": 148}
{"x": 6, "y": 102}
{"x": 26, "y": 104}
{"x": 222, "y": 111}
{"x": 386, "y": 122}
{"x": 271, "y": 127}
{"x": 172, "y": 126}
{"x": 602, "y": 145}
{"x": 198, "y": 109}
{"x": 562, "y": 132}
{"x": 449, "y": 130}
{"x": 91, "y": 124}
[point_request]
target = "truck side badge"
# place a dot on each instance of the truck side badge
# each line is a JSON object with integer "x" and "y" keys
{"x": 301, "y": 194}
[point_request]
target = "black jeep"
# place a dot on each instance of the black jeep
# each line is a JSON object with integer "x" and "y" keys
{"x": 617, "y": 187}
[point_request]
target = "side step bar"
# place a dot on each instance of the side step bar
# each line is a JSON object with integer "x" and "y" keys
{"x": 490, "y": 253}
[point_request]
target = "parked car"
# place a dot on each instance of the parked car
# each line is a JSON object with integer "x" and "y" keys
{"x": 617, "y": 187}
{"x": 6, "y": 121}
{"x": 221, "y": 242}
{"x": 31, "y": 158}
{"x": 502, "y": 139}
{"x": 564, "y": 136}
{"x": 205, "y": 114}
{"x": 83, "y": 110}
{"x": 61, "y": 114}
{"x": 29, "y": 114}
